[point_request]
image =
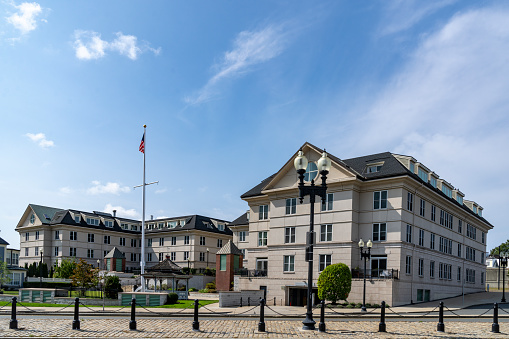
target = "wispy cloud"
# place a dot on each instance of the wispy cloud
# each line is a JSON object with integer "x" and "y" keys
{"x": 122, "y": 212}
{"x": 24, "y": 20}
{"x": 161, "y": 191}
{"x": 249, "y": 48}
{"x": 65, "y": 190}
{"x": 88, "y": 45}
{"x": 108, "y": 188}
{"x": 40, "y": 139}
{"x": 401, "y": 15}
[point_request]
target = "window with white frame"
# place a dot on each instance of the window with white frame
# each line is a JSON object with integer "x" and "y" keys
{"x": 470, "y": 276}
{"x": 379, "y": 232}
{"x": 73, "y": 235}
{"x": 27, "y": 236}
{"x": 105, "y": 253}
{"x": 408, "y": 264}
{"x": 242, "y": 236}
{"x": 161, "y": 255}
{"x": 422, "y": 174}
{"x": 469, "y": 253}
{"x": 325, "y": 260}
{"x": 327, "y": 204}
{"x": 133, "y": 256}
{"x": 445, "y": 245}
{"x": 446, "y": 219}
{"x": 460, "y": 226}
{"x": 421, "y": 267}
{"x": 263, "y": 212}
{"x": 90, "y": 237}
{"x": 459, "y": 250}
{"x": 32, "y": 219}
{"x": 289, "y": 235}
{"x": 410, "y": 201}
{"x": 374, "y": 168}
{"x": 36, "y": 250}
{"x": 26, "y": 251}
{"x": 471, "y": 231}
{"x": 57, "y": 235}
{"x": 72, "y": 251}
{"x": 422, "y": 209}
{"x": 173, "y": 256}
{"x": 36, "y": 235}
{"x": 220, "y": 227}
{"x": 326, "y": 232}
{"x": 379, "y": 200}
{"x": 161, "y": 241}
{"x": 186, "y": 255}
{"x": 219, "y": 243}
{"x": 173, "y": 241}
{"x": 133, "y": 242}
{"x": 431, "y": 269}
{"x": 149, "y": 257}
{"x": 421, "y": 237}
{"x": 291, "y": 206}
{"x": 186, "y": 240}
{"x": 432, "y": 241}
{"x": 107, "y": 239}
{"x": 202, "y": 241}
{"x": 121, "y": 241}
{"x": 56, "y": 251}
{"x": 447, "y": 191}
{"x": 202, "y": 256}
{"x": 90, "y": 253}
{"x": 149, "y": 242}
{"x": 262, "y": 238}
{"x": 433, "y": 213}
{"x": 93, "y": 221}
{"x": 289, "y": 263}
{"x": 108, "y": 223}
{"x": 408, "y": 233}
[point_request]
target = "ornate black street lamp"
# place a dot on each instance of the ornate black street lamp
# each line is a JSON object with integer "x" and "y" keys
{"x": 40, "y": 272}
{"x": 208, "y": 257}
{"x": 365, "y": 255}
{"x": 324, "y": 165}
{"x": 503, "y": 263}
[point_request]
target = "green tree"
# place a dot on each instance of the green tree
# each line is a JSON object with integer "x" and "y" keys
{"x": 335, "y": 283}
{"x": 66, "y": 269}
{"x": 4, "y": 274}
{"x": 84, "y": 275}
{"x": 504, "y": 247}
{"x": 112, "y": 286}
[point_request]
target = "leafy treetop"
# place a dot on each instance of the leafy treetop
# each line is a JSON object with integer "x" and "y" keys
{"x": 335, "y": 283}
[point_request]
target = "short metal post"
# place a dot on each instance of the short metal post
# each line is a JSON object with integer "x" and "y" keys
{"x": 132, "y": 323}
{"x": 261, "y": 324}
{"x": 196, "y": 323}
{"x": 240, "y": 301}
{"x": 381, "y": 326}
{"x": 76, "y": 321}
{"x": 248, "y": 301}
{"x": 495, "y": 328}
{"x": 440, "y": 325}
{"x": 13, "y": 324}
{"x": 321, "y": 325}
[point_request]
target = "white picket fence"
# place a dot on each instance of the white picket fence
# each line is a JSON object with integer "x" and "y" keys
{"x": 36, "y": 279}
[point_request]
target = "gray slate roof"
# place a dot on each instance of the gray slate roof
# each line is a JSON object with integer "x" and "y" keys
{"x": 166, "y": 266}
{"x": 242, "y": 220}
{"x": 3, "y": 242}
{"x": 229, "y": 248}
{"x": 45, "y": 213}
{"x": 115, "y": 253}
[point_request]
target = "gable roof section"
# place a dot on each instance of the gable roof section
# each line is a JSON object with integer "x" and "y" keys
{"x": 242, "y": 220}
{"x": 44, "y": 213}
{"x": 195, "y": 222}
{"x": 3, "y": 242}
{"x": 229, "y": 248}
{"x": 166, "y": 266}
{"x": 115, "y": 253}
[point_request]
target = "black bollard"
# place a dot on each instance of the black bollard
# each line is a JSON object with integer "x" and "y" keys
{"x": 248, "y": 301}
{"x": 13, "y": 324}
{"x": 381, "y": 326}
{"x": 261, "y": 324}
{"x": 440, "y": 325}
{"x": 321, "y": 325}
{"x": 274, "y": 301}
{"x": 495, "y": 328}
{"x": 196, "y": 323}
{"x": 76, "y": 321}
{"x": 132, "y": 323}
{"x": 240, "y": 301}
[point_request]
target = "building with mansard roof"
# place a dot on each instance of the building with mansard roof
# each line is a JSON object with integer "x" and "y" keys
{"x": 55, "y": 234}
{"x": 429, "y": 242}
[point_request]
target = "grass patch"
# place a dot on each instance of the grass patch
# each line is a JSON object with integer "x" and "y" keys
{"x": 188, "y": 303}
{"x": 15, "y": 293}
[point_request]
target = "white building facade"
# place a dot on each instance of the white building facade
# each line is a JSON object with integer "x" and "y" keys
{"x": 428, "y": 243}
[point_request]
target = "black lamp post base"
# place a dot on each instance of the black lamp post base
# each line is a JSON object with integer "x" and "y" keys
{"x": 363, "y": 309}
{"x": 309, "y": 324}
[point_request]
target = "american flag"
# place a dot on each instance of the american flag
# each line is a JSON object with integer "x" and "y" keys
{"x": 142, "y": 144}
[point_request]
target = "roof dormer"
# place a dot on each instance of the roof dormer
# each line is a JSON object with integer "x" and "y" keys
{"x": 433, "y": 179}
{"x": 445, "y": 187}
{"x": 458, "y": 196}
{"x": 422, "y": 172}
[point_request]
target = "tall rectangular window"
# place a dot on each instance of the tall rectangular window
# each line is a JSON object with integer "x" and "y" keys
{"x": 36, "y": 235}
{"x": 422, "y": 210}
{"x": 173, "y": 241}
{"x": 242, "y": 236}
{"x": 289, "y": 263}
{"x": 431, "y": 269}
{"x": 202, "y": 241}
{"x": 186, "y": 255}
{"x": 325, "y": 260}
{"x": 186, "y": 240}
{"x": 222, "y": 262}
{"x": 161, "y": 241}
{"x": 326, "y": 232}
{"x": 219, "y": 243}
{"x": 460, "y": 226}
{"x": 380, "y": 232}
{"x": 149, "y": 242}
{"x": 173, "y": 256}
{"x": 121, "y": 241}
{"x": 327, "y": 204}
{"x": 108, "y": 223}
{"x": 90, "y": 253}
{"x": 289, "y": 235}
{"x": 57, "y": 235}
{"x": 107, "y": 239}
{"x": 379, "y": 200}
{"x": 421, "y": 267}
{"x": 73, "y": 235}
{"x": 408, "y": 265}
{"x": 27, "y": 236}
{"x": 410, "y": 202}
{"x": 149, "y": 257}
{"x": 262, "y": 238}
{"x": 433, "y": 213}
{"x": 291, "y": 206}
{"x": 458, "y": 275}
{"x": 133, "y": 242}
{"x": 202, "y": 256}
{"x": 56, "y": 251}
{"x": 483, "y": 237}
{"x": 408, "y": 233}
{"x": 263, "y": 212}
{"x": 459, "y": 250}
{"x": 421, "y": 237}
{"x": 72, "y": 251}
{"x": 161, "y": 255}
{"x": 91, "y": 237}
{"x": 26, "y": 251}
{"x": 432, "y": 241}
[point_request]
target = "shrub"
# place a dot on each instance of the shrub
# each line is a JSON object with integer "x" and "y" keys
{"x": 335, "y": 283}
{"x": 204, "y": 290}
{"x": 209, "y": 272}
{"x": 350, "y": 306}
{"x": 112, "y": 286}
{"x": 181, "y": 288}
{"x": 192, "y": 289}
{"x": 172, "y": 298}
{"x": 358, "y": 305}
{"x": 211, "y": 285}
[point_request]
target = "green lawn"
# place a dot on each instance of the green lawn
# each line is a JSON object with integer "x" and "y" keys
{"x": 11, "y": 292}
{"x": 188, "y": 303}
{"x": 181, "y": 304}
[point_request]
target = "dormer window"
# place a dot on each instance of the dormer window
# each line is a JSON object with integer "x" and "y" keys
{"x": 447, "y": 191}
{"x": 412, "y": 167}
{"x": 220, "y": 227}
{"x": 311, "y": 172}
{"x": 433, "y": 182}
{"x": 92, "y": 221}
{"x": 32, "y": 219}
{"x": 160, "y": 225}
{"x": 172, "y": 224}
{"x": 475, "y": 209}
{"x": 77, "y": 219}
{"x": 422, "y": 174}
{"x": 374, "y": 168}
{"x": 108, "y": 223}
{"x": 459, "y": 198}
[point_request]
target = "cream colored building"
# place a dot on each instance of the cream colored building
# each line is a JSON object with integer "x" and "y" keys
{"x": 428, "y": 242}
{"x": 57, "y": 233}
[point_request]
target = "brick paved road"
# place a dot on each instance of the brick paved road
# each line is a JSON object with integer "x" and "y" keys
{"x": 164, "y": 328}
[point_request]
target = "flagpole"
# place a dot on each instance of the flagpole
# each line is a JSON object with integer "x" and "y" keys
{"x": 142, "y": 264}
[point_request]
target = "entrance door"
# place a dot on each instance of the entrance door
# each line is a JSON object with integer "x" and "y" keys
{"x": 262, "y": 265}
{"x": 378, "y": 266}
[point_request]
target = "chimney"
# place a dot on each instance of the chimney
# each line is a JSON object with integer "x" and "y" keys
{"x": 114, "y": 213}
{"x": 151, "y": 217}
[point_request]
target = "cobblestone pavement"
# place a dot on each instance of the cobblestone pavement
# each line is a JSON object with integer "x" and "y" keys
{"x": 164, "y": 328}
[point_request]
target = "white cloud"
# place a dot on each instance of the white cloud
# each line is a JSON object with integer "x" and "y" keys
{"x": 401, "y": 15}
{"x": 25, "y": 19}
{"x": 249, "y": 48}
{"x": 160, "y": 191}
{"x": 40, "y": 139}
{"x": 65, "y": 190}
{"x": 88, "y": 45}
{"x": 109, "y": 188}
{"x": 122, "y": 212}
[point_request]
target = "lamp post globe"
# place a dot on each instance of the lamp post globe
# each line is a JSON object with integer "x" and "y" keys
{"x": 324, "y": 165}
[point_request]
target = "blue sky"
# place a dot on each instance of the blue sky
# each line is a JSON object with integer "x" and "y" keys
{"x": 231, "y": 89}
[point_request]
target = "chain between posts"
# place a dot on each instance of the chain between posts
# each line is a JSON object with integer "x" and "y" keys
{"x": 8, "y": 303}
{"x": 165, "y": 313}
